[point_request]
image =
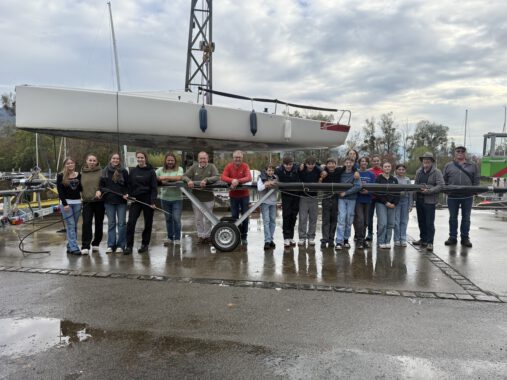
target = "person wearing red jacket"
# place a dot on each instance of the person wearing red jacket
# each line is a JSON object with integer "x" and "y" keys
{"x": 376, "y": 169}
{"x": 238, "y": 173}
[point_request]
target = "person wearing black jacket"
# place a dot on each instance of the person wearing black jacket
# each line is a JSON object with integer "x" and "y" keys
{"x": 385, "y": 207}
{"x": 331, "y": 174}
{"x": 114, "y": 190}
{"x": 68, "y": 183}
{"x": 142, "y": 186}
{"x": 289, "y": 172}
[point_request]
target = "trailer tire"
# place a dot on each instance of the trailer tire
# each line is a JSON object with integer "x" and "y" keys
{"x": 225, "y": 236}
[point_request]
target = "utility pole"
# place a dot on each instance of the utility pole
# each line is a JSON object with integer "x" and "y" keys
{"x": 504, "y": 118}
{"x": 465, "y": 137}
{"x": 200, "y": 49}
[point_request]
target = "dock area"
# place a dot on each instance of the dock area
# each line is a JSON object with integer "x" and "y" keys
{"x": 457, "y": 272}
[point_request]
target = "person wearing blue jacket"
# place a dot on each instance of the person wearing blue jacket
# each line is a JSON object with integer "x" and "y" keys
{"x": 142, "y": 187}
{"x": 363, "y": 204}
{"x": 347, "y": 204}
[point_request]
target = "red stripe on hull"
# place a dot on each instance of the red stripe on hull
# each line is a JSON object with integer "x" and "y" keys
{"x": 334, "y": 127}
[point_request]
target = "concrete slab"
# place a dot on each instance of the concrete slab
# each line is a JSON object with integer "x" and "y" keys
{"x": 400, "y": 269}
{"x": 485, "y": 263}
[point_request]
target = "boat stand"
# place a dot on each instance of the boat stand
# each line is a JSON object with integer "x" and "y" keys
{"x": 225, "y": 234}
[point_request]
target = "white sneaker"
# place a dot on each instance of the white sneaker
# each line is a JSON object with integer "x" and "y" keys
{"x": 167, "y": 242}
{"x": 301, "y": 242}
{"x": 403, "y": 243}
{"x": 385, "y": 246}
{"x": 397, "y": 243}
{"x": 292, "y": 242}
{"x": 85, "y": 251}
{"x": 311, "y": 242}
{"x": 95, "y": 248}
{"x": 177, "y": 242}
{"x": 286, "y": 243}
{"x": 109, "y": 250}
{"x": 119, "y": 250}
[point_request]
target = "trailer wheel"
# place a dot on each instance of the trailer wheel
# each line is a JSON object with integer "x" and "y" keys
{"x": 225, "y": 236}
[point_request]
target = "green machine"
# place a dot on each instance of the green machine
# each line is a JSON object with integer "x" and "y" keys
{"x": 494, "y": 160}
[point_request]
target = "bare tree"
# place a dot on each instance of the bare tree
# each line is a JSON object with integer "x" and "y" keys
{"x": 390, "y": 136}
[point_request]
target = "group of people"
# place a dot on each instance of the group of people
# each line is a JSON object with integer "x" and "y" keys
{"x": 357, "y": 206}
{"x": 101, "y": 191}
{"x": 96, "y": 192}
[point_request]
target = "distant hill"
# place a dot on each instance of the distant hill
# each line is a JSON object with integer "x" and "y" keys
{"x": 7, "y": 123}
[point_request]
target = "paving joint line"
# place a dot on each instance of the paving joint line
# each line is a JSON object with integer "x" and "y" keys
{"x": 469, "y": 296}
{"x": 457, "y": 277}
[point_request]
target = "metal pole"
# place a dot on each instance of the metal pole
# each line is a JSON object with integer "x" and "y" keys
{"x": 37, "y": 150}
{"x": 465, "y": 138}
{"x": 114, "y": 48}
{"x": 118, "y": 84}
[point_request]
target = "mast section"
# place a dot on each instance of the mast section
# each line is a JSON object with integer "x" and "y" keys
{"x": 200, "y": 49}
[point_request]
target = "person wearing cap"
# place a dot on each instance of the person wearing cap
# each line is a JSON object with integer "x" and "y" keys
{"x": 461, "y": 172}
{"x": 431, "y": 180}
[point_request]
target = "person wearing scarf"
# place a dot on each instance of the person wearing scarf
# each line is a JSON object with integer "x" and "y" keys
{"x": 113, "y": 186}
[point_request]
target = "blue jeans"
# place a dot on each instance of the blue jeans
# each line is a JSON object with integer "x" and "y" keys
{"x": 426, "y": 220}
{"x": 240, "y": 206}
{"x": 401, "y": 219}
{"x": 116, "y": 216}
{"x": 269, "y": 221}
{"x": 173, "y": 218}
{"x": 385, "y": 223}
{"x": 466, "y": 209}
{"x": 70, "y": 219}
{"x": 346, "y": 211}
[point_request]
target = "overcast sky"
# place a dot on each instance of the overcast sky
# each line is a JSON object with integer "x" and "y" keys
{"x": 423, "y": 59}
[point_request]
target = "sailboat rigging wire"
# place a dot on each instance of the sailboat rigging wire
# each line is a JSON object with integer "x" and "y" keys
{"x": 265, "y": 100}
{"x": 117, "y": 121}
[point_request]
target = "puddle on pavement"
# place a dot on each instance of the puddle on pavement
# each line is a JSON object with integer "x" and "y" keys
{"x": 28, "y": 336}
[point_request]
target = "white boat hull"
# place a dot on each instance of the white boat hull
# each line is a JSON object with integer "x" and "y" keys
{"x": 156, "y": 121}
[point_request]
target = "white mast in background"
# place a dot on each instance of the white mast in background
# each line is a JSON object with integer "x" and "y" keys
{"x": 117, "y": 69}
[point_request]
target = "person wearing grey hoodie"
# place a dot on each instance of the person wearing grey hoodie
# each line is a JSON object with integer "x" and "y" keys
{"x": 402, "y": 209}
{"x": 431, "y": 180}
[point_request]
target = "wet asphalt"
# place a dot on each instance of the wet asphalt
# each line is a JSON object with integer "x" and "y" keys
{"x": 191, "y": 312}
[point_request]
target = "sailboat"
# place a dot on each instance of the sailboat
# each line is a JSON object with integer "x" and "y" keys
{"x": 167, "y": 121}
